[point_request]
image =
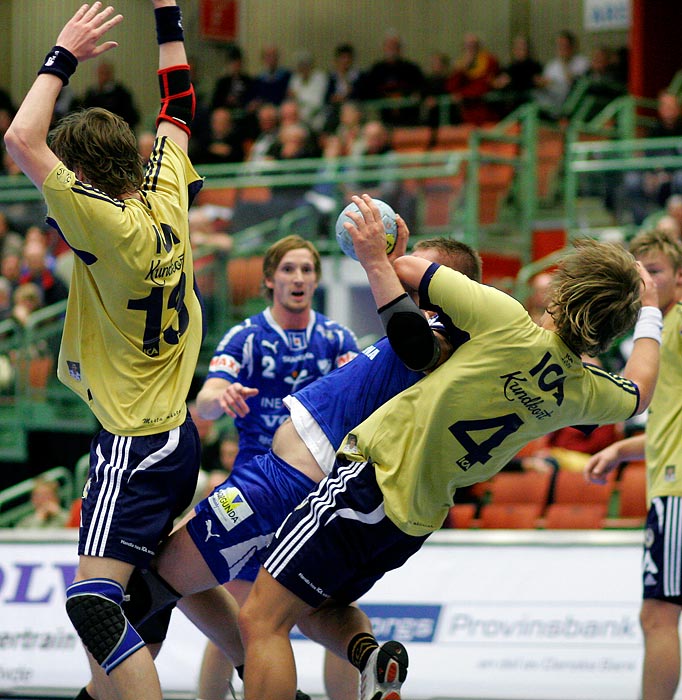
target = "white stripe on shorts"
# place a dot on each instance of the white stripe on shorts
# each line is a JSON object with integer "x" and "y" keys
{"x": 672, "y": 585}
{"x": 319, "y": 504}
{"x": 106, "y": 499}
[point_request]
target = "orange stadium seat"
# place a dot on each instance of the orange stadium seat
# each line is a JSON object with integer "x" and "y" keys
{"x": 575, "y": 516}
{"x": 520, "y": 487}
{"x": 632, "y": 491}
{"x": 571, "y": 487}
{"x": 461, "y": 516}
{"x": 411, "y": 139}
{"x": 510, "y": 516}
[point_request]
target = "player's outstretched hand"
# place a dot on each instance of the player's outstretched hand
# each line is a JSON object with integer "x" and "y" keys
{"x": 233, "y": 399}
{"x": 601, "y": 463}
{"x": 82, "y": 33}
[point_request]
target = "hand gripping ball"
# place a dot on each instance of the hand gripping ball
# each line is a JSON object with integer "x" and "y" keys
{"x": 387, "y": 217}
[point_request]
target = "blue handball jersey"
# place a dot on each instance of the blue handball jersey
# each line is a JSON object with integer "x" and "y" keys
{"x": 276, "y": 361}
{"x": 345, "y": 397}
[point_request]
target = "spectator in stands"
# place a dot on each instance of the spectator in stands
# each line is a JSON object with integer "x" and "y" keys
{"x": 26, "y": 298}
{"x": 394, "y": 76}
{"x": 10, "y": 267}
{"x": 376, "y": 141}
{"x": 308, "y": 87}
{"x": 604, "y": 82}
{"x": 351, "y": 118}
{"x": 289, "y": 114}
{"x": 66, "y": 102}
{"x": 661, "y": 446}
{"x": 472, "y": 79}
{"x": 233, "y": 89}
{"x": 559, "y": 74}
{"x": 224, "y": 142}
{"x": 267, "y": 117}
{"x": 271, "y": 84}
{"x": 47, "y": 507}
{"x": 648, "y": 190}
{"x": 111, "y": 94}
{"x": 342, "y": 85}
{"x": 516, "y": 81}
{"x": 435, "y": 87}
{"x": 537, "y": 299}
{"x": 10, "y": 241}
{"x": 38, "y": 267}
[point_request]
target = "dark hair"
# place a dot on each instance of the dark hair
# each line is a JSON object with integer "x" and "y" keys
{"x": 101, "y": 147}
{"x": 344, "y": 48}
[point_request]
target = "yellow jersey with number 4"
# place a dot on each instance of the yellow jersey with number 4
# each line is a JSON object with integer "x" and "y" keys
{"x": 511, "y": 382}
{"x": 133, "y": 324}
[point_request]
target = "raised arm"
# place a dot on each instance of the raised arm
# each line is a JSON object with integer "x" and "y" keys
{"x": 406, "y": 326}
{"x": 26, "y": 138}
{"x": 642, "y": 366}
{"x": 178, "y": 100}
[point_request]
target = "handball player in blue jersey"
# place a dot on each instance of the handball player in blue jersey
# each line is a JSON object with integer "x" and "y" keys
{"x": 256, "y": 364}
{"x": 272, "y": 354}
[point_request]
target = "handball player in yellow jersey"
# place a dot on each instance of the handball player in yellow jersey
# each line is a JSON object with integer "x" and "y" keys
{"x": 661, "y": 446}
{"x": 133, "y": 324}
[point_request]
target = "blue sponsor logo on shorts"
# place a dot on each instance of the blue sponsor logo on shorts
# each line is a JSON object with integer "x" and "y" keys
{"x": 406, "y": 623}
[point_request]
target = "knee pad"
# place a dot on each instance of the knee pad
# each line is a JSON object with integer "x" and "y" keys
{"x": 94, "y": 608}
{"x": 150, "y": 602}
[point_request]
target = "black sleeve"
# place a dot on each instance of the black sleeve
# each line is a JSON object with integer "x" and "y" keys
{"x": 410, "y": 335}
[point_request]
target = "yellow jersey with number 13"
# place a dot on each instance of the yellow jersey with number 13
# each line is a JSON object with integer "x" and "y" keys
{"x": 133, "y": 324}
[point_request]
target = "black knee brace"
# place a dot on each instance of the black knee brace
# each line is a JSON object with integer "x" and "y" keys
{"x": 94, "y": 608}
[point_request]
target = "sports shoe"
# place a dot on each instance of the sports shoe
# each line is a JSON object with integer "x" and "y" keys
{"x": 384, "y": 673}
{"x": 300, "y": 695}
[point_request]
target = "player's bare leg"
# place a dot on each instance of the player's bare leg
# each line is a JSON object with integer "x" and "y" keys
{"x": 661, "y": 673}
{"x": 265, "y": 620}
{"x": 216, "y": 671}
{"x": 137, "y": 670}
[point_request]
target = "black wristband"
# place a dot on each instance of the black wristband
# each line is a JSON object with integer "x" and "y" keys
{"x": 60, "y": 62}
{"x": 168, "y": 24}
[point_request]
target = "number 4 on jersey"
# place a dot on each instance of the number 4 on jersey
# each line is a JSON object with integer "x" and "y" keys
{"x": 479, "y": 452}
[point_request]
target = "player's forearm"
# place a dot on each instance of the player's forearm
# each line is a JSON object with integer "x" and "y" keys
{"x": 642, "y": 369}
{"x": 383, "y": 282}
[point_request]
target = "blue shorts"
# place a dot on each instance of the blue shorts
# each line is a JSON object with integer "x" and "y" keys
{"x": 339, "y": 542}
{"x": 234, "y": 525}
{"x": 136, "y": 487}
{"x": 662, "y": 560}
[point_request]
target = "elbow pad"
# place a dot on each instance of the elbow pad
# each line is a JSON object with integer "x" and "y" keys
{"x": 178, "y": 101}
{"x": 410, "y": 335}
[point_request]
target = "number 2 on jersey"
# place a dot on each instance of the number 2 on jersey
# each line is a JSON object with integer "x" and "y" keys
{"x": 479, "y": 452}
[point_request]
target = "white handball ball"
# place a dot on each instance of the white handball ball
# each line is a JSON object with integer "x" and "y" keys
{"x": 387, "y": 217}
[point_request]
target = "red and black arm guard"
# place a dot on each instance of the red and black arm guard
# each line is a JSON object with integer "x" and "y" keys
{"x": 178, "y": 101}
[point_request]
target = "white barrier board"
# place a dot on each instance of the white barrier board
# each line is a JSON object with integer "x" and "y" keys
{"x": 552, "y": 616}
